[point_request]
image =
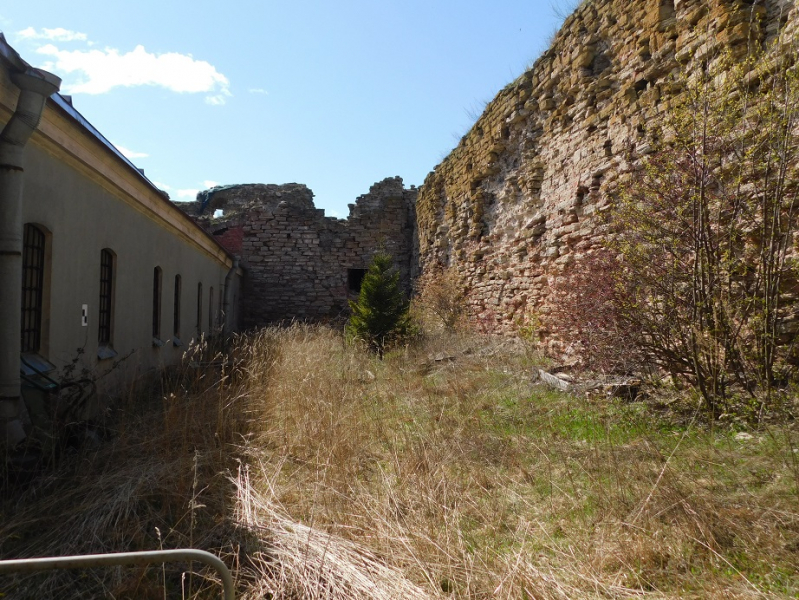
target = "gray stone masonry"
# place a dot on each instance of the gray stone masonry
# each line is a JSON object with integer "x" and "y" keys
{"x": 297, "y": 262}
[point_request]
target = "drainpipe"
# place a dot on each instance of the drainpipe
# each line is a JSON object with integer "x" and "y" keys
{"x": 227, "y": 300}
{"x": 35, "y": 87}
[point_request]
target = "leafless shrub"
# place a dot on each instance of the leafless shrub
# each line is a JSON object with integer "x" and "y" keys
{"x": 441, "y": 299}
{"x": 587, "y": 315}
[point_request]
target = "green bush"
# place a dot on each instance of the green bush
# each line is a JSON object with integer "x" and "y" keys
{"x": 380, "y": 315}
{"x": 706, "y": 229}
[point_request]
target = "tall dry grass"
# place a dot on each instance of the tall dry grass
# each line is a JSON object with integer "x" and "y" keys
{"x": 318, "y": 471}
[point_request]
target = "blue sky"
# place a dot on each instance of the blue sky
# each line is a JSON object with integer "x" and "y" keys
{"x": 335, "y": 95}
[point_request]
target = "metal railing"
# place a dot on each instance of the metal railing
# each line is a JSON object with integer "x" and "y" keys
{"x": 122, "y": 558}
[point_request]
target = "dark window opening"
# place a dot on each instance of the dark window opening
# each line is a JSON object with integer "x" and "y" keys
{"x": 355, "y": 279}
{"x": 157, "y": 302}
{"x": 581, "y": 192}
{"x": 211, "y": 310}
{"x": 106, "y": 311}
{"x": 176, "y": 308}
{"x": 32, "y": 287}
{"x": 199, "y": 308}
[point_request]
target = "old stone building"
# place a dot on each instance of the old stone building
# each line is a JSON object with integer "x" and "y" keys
{"x": 298, "y": 263}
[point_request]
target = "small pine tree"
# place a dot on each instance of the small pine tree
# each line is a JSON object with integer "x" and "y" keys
{"x": 380, "y": 314}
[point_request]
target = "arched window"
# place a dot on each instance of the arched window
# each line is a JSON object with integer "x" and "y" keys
{"x": 211, "y": 310}
{"x": 199, "y": 308}
{"x": 106, "y": 311}
{"x": 157, "y": 303}
{"x": 32, "y": 287}
{"x": 176, "y": 308}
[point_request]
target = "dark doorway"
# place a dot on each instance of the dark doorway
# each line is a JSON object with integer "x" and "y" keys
{"x": 355, "y": 279}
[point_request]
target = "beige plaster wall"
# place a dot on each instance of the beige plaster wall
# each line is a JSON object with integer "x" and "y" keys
{"x": 88, "y": 199}
{"x": 82, "y": 219}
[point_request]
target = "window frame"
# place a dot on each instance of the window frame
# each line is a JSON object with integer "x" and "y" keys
{"x": 34, "y": 280}
{"x": 199, "y": 308}
{"x": 211, "y": 325}
{"x": 106, "y": 304}
{"x": 158, "y": 279}
{"x": 176, "y": 308}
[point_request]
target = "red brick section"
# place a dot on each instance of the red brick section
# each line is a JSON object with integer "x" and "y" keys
{"x": 231, "y": 239}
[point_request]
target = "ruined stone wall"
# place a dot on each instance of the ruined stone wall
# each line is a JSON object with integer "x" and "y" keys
{"x": 297, "y": 262}
{"x": 519, "y": 198}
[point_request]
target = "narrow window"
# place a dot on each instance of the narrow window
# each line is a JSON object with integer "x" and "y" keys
{"x": 221, "y": 311}
{"x": 32, "y": 286}
{"x": 106, "y": 312}
{"x": 211, "y": 310}
{"x": 157, "y": 303}
{"x": 355, "y": 279}
{"x": 199, "y": 308}
{"x": 176, "y": 310}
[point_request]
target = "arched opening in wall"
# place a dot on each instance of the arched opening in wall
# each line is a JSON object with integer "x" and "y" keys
{"x": 35, "y": 289}
{"x": 105, "y": 313}
{"x": 157, "y": 306}
{"x": 355, "y": 280}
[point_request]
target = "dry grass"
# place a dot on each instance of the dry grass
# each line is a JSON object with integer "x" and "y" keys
{"x": 317, "y": 471}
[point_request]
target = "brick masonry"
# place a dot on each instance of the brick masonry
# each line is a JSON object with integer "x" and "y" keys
{"x": 518, "y": 199}
{"x": 297, "y": 261}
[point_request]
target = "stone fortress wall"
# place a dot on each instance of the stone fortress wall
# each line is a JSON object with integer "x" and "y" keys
{"x": 519, "y": 198}
{"x": 298, "y": 263}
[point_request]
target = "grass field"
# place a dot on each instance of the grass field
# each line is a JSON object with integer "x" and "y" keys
{"x": 317, "y": 471}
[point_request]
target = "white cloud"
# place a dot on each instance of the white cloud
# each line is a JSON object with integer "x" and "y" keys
{"x": 218, "y": 99}
{"x": 258, "y": 91}
{"x": 58, "y": 34}
{"x": 99, "y": 71}
{"x": 162, "y": 186}
{"x": 131, "y": 154}
{"x": 186, "y": 194}
{"x": 209, "y": 183}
